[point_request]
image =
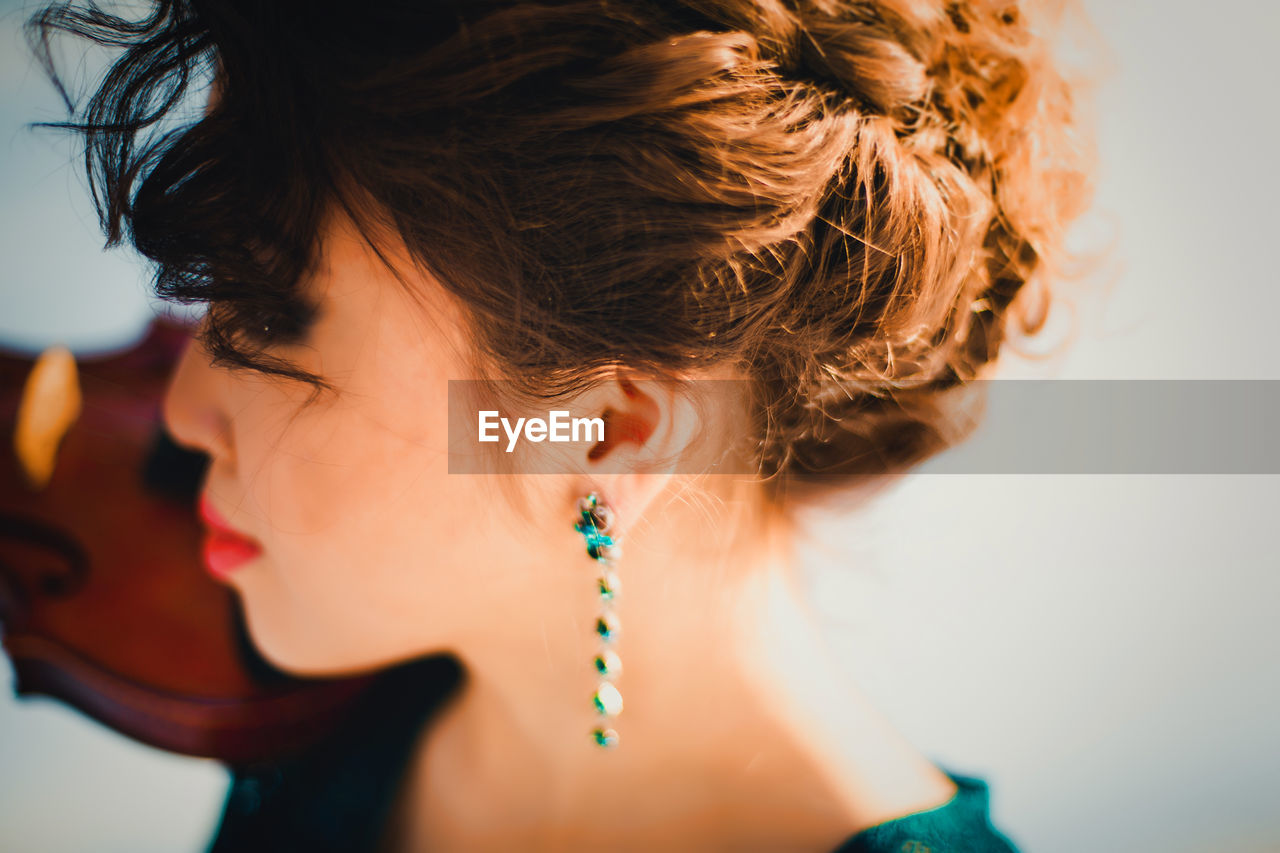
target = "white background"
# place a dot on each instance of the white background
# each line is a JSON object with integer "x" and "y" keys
{"x": 1102, "y": 649}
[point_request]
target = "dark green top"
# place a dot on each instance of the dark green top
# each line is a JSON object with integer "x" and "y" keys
{"x": 337, "y": 796}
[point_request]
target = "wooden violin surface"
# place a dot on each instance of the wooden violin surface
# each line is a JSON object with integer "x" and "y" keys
{"x": 104, "y": 602}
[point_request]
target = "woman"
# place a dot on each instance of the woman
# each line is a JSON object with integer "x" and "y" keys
{"x": 753, "y": 246}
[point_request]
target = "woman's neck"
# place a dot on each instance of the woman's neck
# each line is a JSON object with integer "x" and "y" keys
{"x": 737, "y": 725}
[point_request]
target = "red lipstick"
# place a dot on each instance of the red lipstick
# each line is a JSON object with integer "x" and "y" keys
{"x": 225, "y": 549}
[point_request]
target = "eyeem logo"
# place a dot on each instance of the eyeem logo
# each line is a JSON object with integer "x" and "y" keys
{"x": 558, "y": 427}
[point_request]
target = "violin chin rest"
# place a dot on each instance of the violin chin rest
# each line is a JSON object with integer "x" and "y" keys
{"x": 51, "y": 402}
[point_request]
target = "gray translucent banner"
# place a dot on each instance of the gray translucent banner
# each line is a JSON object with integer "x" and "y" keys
{"x": 1015, "y": 426}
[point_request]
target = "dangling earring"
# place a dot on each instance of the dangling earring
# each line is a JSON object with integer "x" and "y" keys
{"x": 595, "y": 523}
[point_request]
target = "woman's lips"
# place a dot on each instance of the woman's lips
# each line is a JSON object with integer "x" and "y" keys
{"x": 224, "y": 548}
{"x": 224, "y": 554}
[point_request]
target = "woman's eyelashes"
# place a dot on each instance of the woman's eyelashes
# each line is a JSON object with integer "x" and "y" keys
{"x": 274, "y": 334}
{"x": 278, "y": 329}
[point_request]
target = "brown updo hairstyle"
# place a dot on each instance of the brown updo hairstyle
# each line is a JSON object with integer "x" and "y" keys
{"x": 839, "y": 199}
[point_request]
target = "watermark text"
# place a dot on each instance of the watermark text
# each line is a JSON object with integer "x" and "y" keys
{"x": 559, "y": 426}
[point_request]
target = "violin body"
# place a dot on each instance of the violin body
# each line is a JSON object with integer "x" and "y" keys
{"x": 104, "y": 603}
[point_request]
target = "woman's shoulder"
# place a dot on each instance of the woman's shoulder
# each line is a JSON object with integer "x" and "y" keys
{"x": 335, "y": 796}
{"x": 962, "y": 823}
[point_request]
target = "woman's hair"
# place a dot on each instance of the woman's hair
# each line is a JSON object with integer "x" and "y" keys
{"x": 839, "y": 200}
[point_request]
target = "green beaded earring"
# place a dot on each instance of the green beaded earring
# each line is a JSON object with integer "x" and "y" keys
{"x": 595, "y": 523}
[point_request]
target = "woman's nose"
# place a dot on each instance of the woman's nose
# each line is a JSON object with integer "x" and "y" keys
{"x": 191, "y": 409}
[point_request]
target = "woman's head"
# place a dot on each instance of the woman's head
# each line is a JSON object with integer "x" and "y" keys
{"x": 830, "y": 201}
{"x": 373, "y": 546}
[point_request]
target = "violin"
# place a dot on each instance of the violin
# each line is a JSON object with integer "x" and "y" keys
{"x": 104, "y": 602}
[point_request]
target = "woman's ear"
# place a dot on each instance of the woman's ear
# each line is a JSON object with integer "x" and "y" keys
{"x": 631, "y": 418}
{"x": 650, "y": 427}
